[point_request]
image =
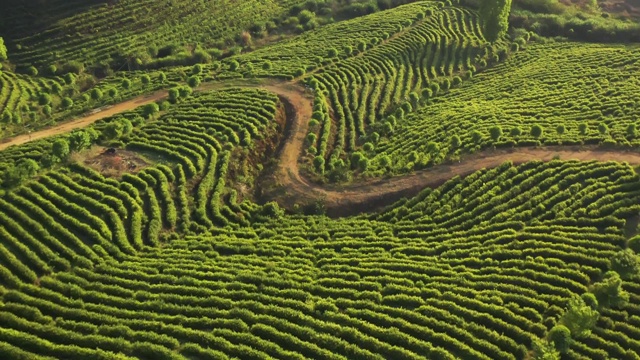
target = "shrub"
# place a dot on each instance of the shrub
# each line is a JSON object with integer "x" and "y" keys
{"x": 560, "y": 335}
{"x": 536, "y": 131}
{"x": 150, "y": 110}
{"x": 603, "y": 129}
{"x": 455, "y": 141}
{"x": 96, "y": 94}
{"x": 609, "y": 291}
{"x": 583, "y": 128}
{"x": 193, "y": 81}
{"x": 66, "y": 103}
{"x": 625, "y": 263}
{"x": 495, "y": 132}
{"x": 634, "y": 243}
{"x": 44, "y": 99}
{"x": 579, "y": 318}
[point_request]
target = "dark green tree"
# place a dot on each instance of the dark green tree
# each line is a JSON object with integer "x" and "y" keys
{"x": 609, "y": 291}
{"x": 150, "y": 110}
{"x": 626, "y": 264}
{"x": 113, "y": 130}
{"x": 60, "y": 149}
{"x": 455, "y": 141}
{"x": 494, "y": 15}
{"x": 560, "y": 336}
{"x": 495, "y": 132}
{"x": 536, "y": 131}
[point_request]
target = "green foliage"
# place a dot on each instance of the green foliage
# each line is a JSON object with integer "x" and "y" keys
{"x": 536, "y": 131}
{"x": 634, "y": 244}
{"x": 560, "y": 336}
{"x": 544, "y": 350}
{"x": 113, "y": 130}
{"x": 150, "y": 110}
{"x": 44, "y": 99}
{"x": 495, "y": 18}
{"x": 626, "y": 264}
{"x": 609, "y": 291}
{"x": 193, "y": 81}
{"x": 579, "y": 317}
{"x": 455, "y": 141}
{"x": 66, "y": 102}
{"x": 3, "y": 50}
{"x": 81, "y": 139}
{"x": 60, "y": 149}
{"x": 495, "y": 132}
{"x": 96, "y": 94}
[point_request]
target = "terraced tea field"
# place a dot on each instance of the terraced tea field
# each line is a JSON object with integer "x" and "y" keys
{"x": 249, "y": 209}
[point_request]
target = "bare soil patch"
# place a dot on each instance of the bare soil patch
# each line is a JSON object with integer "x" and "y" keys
{"x": 112, "y": 162}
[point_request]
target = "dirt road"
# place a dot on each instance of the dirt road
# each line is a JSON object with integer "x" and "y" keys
{"x": 84, "y": 121}
{"x": 291, "y": 188}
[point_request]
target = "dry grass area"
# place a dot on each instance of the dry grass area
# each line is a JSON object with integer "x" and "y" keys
{"x": 112, "y": 162}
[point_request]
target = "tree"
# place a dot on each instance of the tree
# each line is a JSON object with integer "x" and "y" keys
{"x": 79, "y": 140}
{"x": 583, "y": 128}
{"x": 44, "y": 99}
{"x": 149, "y": 110}
{"x": 495, "y": 132}
{"x": 494, "y": 15}
{"x": 560, "y": 336}
{"x": 174, "y": 94}
{"x": 3, "y": 50}
{"x": 544, "y": 350}
{"x": 560, "y": 129}
{"x": 476, "y": 136}
{"x": 96, "y": 94}
{"x": 536, "y": 131}
{"x": 609, "y": 291}
{"x": 625, "y": 263}
{"x": 67, "y": 102}
{"x": 603, "y": 128}
{"x": 126, "y": 83}
{"x": 145, "y": 79}
{"x": 193, "y": 81}
{"x": 60, "y": 149}
{"x": 28, "y": 167}
{"x": 113, "y": 130}
{"x": 579, "y": 318}
{"x": 455, "y": 141}
{"x": 23, "y": 169}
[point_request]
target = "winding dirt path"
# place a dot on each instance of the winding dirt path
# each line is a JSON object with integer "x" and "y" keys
{"x": 288, "y": 187}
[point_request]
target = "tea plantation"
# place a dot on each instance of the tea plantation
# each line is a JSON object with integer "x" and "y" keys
{"x": 315, "y": 180}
